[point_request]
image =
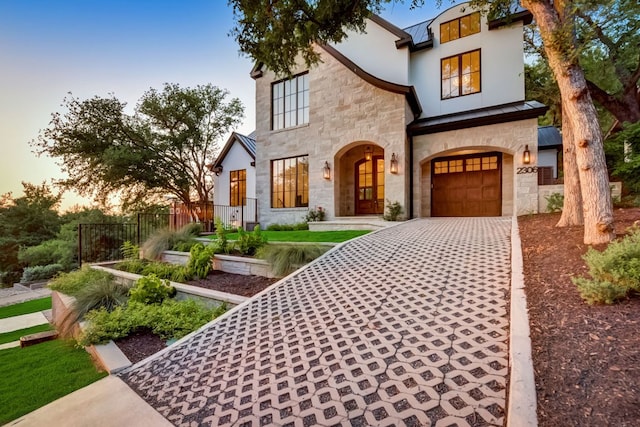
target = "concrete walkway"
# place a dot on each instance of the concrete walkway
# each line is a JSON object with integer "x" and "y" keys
{"x": 405, "y": 326}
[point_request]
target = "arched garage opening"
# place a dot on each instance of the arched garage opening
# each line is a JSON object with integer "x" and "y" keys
{"x": 467, "y": 183}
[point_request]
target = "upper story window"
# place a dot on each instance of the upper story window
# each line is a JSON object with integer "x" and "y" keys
{"x": 460, "y": 27}
{"x": 290, "y": 182}
{"x": 460, "y": 74}
{"x": 238, "y": 187}
{"x": 290, "y": 102}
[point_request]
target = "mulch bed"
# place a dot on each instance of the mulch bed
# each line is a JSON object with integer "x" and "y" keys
{"x": 143, "y": 344}
{"x": 586, "y": 358}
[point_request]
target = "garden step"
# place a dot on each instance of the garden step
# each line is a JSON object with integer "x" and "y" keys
{"x": 37, "y": 338}
{"x": 23, "y": 321}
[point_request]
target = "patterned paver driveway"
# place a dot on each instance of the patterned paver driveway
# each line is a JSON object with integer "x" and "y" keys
{"x": 406, "y": 326}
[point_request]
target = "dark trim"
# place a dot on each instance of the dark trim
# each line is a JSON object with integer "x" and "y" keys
{"x": 227, "y": 148}
{"x": 256, "y": 71}
{"x": 296, "y": 182}
{"x": 525, "y": 16}
{"x": 424, "y": 45}
{"x": 408, "y": 91}
{"x": 410, "y": 177}
{"x": 520, "y": 111}
{"x": 284, "y": 119}
{"x": 459, "y": 56}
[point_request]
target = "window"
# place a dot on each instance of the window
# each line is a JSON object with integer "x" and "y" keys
{"x": 461, "y": 74}
{"x": 238, "y": 187}
{"x": 460, "y": 27}
{"x": 290, "y": 102}
{"x": 290, "y": 182}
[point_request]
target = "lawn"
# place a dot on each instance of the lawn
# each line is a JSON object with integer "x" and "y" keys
{"x": 15, "y": 335}
{"x": 34, "y": 376}
{"x": 307, "y": 236}
{"x": 32, "y": 306}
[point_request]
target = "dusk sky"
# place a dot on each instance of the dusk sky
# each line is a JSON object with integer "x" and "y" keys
{"x": 124, "y": 47}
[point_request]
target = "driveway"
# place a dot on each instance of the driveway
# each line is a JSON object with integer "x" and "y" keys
{"x": 404, "y": 326}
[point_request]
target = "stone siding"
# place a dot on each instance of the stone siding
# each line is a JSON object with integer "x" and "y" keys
{"x": 345, "y": 112}
{"x": 519, "y": 191}
{"x": 545, "y": 191}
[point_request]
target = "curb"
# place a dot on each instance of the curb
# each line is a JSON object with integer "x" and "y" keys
{"x": 521, "y": 407}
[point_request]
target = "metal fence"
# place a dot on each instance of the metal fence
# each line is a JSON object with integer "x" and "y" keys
{"x": 102, "y": 242}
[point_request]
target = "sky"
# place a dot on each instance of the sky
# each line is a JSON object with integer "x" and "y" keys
{"x": 88, "y": 48}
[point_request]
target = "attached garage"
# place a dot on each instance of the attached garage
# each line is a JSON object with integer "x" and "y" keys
{"x": 467, "y": 186}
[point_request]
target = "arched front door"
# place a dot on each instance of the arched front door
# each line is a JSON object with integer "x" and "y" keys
{"x": 370, "y": 186}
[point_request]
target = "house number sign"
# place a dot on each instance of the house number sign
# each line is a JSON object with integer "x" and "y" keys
{"x": 527, "y": 169}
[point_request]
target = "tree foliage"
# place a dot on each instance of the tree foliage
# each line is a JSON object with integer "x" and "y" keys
{"x": 25, "y": 221}
{"x": 163, "y": 148}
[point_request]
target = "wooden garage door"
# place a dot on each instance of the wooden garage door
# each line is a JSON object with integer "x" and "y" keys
{"x": 467, "y": 185}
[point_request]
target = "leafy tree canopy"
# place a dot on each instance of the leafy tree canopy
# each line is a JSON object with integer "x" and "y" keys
{"x": 24, "y": 221}
{"x": 163, "y": 148}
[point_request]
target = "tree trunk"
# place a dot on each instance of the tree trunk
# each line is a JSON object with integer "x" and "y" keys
{"x": 572, "y": 209}
{"x": 581, "y": 113}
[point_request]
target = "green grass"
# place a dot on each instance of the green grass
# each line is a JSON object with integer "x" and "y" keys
{"x": 36, "y": 375}
{"x": 27, "y": 307}
{"x": 15, "y": 335}
{"x": 306, "y": 236}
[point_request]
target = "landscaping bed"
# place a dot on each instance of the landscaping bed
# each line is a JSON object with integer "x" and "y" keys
{"x": 586, "y": 357}
{"x": 143, "y": 344}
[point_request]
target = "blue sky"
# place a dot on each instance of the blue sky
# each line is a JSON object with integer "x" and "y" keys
{"x": 98, "y": 47}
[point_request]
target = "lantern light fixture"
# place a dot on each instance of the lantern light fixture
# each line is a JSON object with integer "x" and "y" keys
{"x": 326, "y": 171}
{"x": 394, "y": 164}
{"x": 368, "y": 153}
{"x": 526, "y": 155}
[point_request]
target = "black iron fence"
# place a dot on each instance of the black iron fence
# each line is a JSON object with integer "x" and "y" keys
{"x": 103, "y": 242}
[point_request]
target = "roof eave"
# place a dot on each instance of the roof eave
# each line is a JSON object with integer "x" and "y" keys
{"x": 525, "y": 16}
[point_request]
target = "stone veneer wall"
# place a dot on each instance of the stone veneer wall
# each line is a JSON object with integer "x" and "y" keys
{"x": 508, "y": 138}
{"x": 345, "y": 112}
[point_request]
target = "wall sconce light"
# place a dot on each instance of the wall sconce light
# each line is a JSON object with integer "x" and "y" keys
{"x": 394, "y": 163}
{"x": 526, "y": 155}
{"x": 326, "y": 171}
{"x": 368, "y": 153}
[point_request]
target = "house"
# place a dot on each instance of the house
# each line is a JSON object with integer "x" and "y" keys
{"x": 432, "y": 116}
{"x": 549, "y": 155}
{"x": 234, "y": 196}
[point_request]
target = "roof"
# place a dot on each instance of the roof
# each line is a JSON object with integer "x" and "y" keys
{"x": 420, "y": 32}
{"x": 247, "y": 142}
{"x": 549, "y": 137}
{"x": 481, "y": 117}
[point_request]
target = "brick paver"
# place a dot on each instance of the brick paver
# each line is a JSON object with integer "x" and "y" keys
{"x": 405, "y": 326}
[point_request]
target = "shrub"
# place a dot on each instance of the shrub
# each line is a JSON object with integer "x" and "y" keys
{"x": 200, "y": 260}
{"x": 103, "y": 293}
{"x": 130, "y": 251}
{"x": 555, "y": 202}
{"x": 285, "y": 259}
{"x": 49, "y": 252}
{"x": 71, "y": 283}
{"x": 171, "y": 319}
{"x": 40, "y": 272}
{"x": 165, "y": 239}
{"x": 394, "y": 210}
{"x": 614, "y": 272}
{"x": 288, "y": 227}
{"x": 151, "y": 290}
{"x": 249, "y": 243}
{"x": 221, "y": 235}
{"x": 184, "y": 246}
{"x": 316, "y": 214}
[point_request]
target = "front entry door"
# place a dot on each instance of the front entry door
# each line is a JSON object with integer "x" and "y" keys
{"x": 370, "y": 186}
